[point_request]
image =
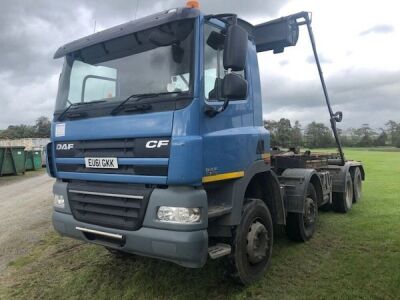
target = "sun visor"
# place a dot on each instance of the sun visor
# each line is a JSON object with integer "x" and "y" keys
{"x": 129, "y": 28}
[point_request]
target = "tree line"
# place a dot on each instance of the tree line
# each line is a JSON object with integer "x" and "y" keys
{"x": 283, "y": 134}
{"x": 318, "y": 135}
{"x": 41, "y": 129}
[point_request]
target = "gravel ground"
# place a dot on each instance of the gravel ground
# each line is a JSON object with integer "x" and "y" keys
{"x": 25, "y": 216}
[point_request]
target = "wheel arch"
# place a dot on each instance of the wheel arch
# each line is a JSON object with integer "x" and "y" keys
{"x": 339, "y": 174}
{"x": 316, "y": 181}
{"x": 255, "y": 176}
{"x": 296, "y": 182}
{"x": 265, "y": 186}
{"x": 361, "y": 167}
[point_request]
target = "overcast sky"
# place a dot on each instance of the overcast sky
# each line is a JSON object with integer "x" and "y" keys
{"x": 358, "y": 41}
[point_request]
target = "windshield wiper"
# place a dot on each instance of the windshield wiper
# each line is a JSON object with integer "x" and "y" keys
{"x": 64, "y": 112}
{"x": 139, "y": 97}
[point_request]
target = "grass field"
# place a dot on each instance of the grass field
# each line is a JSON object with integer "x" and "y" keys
{"x": 353, "y": 256}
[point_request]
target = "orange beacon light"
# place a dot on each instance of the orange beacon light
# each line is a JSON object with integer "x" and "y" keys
{"x": 193, "y": 4}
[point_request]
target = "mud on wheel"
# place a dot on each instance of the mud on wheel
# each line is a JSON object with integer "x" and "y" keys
{"x": 252, "y": 243}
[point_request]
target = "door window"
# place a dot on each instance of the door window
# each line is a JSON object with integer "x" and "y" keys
{"x": 214, "y": 71}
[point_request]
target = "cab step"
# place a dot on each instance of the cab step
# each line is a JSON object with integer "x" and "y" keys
{"x": 219, "y": 250}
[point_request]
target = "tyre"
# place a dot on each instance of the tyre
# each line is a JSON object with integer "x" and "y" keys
{"x": 300, "y": 227}
{"x": 252, "y": 243}
{"x": 357, "y": 184}
{"x": 342, "y": 202}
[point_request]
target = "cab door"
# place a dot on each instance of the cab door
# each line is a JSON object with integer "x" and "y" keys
{"x": 229, "y": 138}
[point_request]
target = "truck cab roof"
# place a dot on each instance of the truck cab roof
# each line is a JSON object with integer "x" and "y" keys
{"x": 130, "y": 27}
{"x": 272, "y": 35}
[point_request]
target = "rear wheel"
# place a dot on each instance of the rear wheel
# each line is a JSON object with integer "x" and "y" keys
{"x": 252, "y": 243}
{"x": 300, "y": 227}
{"x": 357, "y": 184}
{"x": 342, "y": 202}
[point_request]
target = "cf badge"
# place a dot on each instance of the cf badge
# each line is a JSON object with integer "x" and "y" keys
{"x": 157, "y": 144}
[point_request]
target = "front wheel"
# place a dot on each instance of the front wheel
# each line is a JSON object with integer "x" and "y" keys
{"x": 252, "y": 242}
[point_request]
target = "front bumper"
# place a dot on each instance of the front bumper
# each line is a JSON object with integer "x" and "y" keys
{"x": 183, "y": 244}
{"x": 188, "y": 249}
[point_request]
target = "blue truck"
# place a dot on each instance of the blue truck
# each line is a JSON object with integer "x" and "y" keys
{"x": 158, "y": 145}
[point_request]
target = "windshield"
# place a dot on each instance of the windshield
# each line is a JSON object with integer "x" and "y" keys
{"x": 154, "y": 61}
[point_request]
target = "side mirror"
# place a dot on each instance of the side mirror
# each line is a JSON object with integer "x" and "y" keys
{"x": 234, "y": 87}
{"x": 235, "y": 49}
{"x": 216, "y": 40}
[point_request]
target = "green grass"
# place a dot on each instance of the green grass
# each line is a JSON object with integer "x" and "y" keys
{"x": 381, "y": 149}
{"x": 364, "y": 149}
{"x": 8, "y": 179}
{"x": 353, "y": 256}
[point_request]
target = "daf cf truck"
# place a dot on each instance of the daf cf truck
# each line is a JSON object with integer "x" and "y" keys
{"x": 158, "y": 145}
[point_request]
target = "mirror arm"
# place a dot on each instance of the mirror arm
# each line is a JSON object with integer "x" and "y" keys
{"x": 211, "y": 111}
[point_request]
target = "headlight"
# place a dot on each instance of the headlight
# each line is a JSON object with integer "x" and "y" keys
{"x": 59, "y": 201}
{"x": 182, "y": 215}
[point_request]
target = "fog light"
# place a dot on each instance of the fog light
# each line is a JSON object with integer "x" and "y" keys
{"x": 59, "y": 201}
{"x": 182, "y": 215}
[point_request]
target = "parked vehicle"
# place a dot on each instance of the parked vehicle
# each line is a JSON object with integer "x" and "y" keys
{"x": 33, "y": 160}
{"x": 12, "y": 160}
{"x": 159, "y": 149}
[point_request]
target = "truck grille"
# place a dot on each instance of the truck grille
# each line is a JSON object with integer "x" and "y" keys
{"x": 122, "y": 169}
{"x": 119, "y": 206}
{"x": 118, "y": 148}
{"x": 121, "y": 148}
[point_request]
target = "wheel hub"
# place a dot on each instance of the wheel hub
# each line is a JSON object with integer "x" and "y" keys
{"x": 257, "y": 242}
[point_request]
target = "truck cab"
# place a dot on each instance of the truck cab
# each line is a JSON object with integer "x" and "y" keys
{"x": 158, "y": 145}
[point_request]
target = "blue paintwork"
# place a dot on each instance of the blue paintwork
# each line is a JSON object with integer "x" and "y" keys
{"x": 113, "y": 177}
{"x": 114, "y": 127}
{"x": 230, "y": 139}
{"x": 186, "y": 161}
{"x": 200, "y": 145}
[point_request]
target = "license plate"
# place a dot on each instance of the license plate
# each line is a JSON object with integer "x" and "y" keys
{"x": 101, "y": 162}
